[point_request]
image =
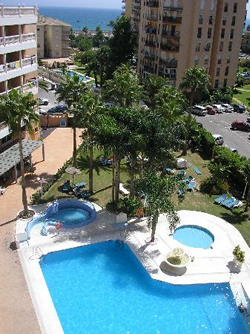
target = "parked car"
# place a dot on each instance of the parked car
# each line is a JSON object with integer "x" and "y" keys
{"x": 240, "y": 125}
{"x": 211, "y": 110}
{"x": 239, "y": 108}
{"x": 248, "y": 119}
{"x": 199, "y": 110}
{"x": 42, "y": 111}
{"x": 220, "y": 109}
{"x": 60, "y": 108}
{"x": 43, "y": 102}
{"x": 228, "y": 107}
{"x": 218, "y": 139}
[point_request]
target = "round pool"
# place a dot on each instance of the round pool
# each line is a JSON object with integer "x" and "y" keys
{"x": 70, "y": 217}
{"x": 194, "y": 236}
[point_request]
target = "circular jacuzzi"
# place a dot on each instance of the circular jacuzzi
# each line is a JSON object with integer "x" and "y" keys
{"x": 194, "y": 236}
{"x": 68, "y": 213}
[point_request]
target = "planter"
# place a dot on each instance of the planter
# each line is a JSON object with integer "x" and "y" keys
{"x": 177, "y": 261}
{"x": 237, "y": 263}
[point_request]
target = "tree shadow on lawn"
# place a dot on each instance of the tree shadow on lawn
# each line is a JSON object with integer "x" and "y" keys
{"x": 235, "y": 217}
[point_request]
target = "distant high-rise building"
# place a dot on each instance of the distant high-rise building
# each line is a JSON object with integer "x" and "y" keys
{"x": 52, "y": 38}
{"x": 177, "y": 34}
{"x": 245, "y": 44}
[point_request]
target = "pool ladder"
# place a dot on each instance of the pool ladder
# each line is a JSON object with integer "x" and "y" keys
{"x": 37, "y": 254}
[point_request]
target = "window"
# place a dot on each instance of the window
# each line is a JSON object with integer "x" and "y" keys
{"x": 199, "y": 33}
{"x": 225, "y": 83}
{"x": 216, "y": 84}
{"x": 228, "y": 59}
{"x": 209, "y": 32}
{"x": 207, "y": 47}
{"x": 219, "y": 59}
{"x": 224, "y": 21}
{"x": 233, "y": 20}
{"x": 212, "y": 5}
{"x": 218, "y": 72}
{"x": 198, "y": 47}
{"x": 38, "y": 29}
{"x": 200, "y": 19}
{"x": 206, "y": 60}
{"x": 226, "y": 70}
{"x": 222, "y": 35}
{"x": 232, "y": 34}
{"x": 235, "y": 7}
{"x": 196, "y": 62}
{"x": 221, "y": 46}
{"x": 226, "y": 7}
{"x": 230, "y": 46}
{"x": 202, "y": 4}
{"x": 38, "y": 45}
{"x": 210, "y": 19}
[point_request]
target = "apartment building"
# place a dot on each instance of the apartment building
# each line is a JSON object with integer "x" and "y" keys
{"x": 177, "y": 34}
{"x": 133, "y": 10}
{"x": 52, "y": 38}
{"x": 245, "y": 44}
{"x": 18, "y": 56}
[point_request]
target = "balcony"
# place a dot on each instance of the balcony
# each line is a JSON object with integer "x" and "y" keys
{"x": 152, "y": 18}
{"x": 151, "y": 31}
{"x": 30, "y": 87}
{"x": 171, "y": 34}
{"x": 174, "y": 20}
{"x": 151, "y": 44}
{"x": 17, "y": 68}
{"x": 169, "y": 63}
{"x": 17, "y": 42}
{"x": 169, "y": 76}
{"x": 151, "y": 4}
{"x": 173, "y": 48}
{"x": 149, "y": 69}
{"x": 149, "y": 56}
{"x": 173, "y": 9}
{"x": 18, "y": 15}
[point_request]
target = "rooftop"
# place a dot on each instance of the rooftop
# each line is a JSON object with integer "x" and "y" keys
{"x": 45, "y": 20}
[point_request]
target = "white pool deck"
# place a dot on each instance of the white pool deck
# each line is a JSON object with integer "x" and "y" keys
{"x": 213, "y": 265}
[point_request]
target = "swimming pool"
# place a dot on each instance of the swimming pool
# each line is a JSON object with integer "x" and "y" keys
{"x": 72, "y": 73}
{"x": 71, "y": 213}
{"x": 194, "y": 236}
{"x": 103, "y": 288}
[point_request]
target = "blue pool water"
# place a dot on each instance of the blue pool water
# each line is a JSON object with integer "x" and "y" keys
{"x": 103, "y": 288}
{"x": 72, "y": 73}
{"x": 194, "y": 236}
{"x": 70, "y": 216}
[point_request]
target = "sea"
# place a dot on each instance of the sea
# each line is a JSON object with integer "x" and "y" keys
{"x": 81, "y": 17}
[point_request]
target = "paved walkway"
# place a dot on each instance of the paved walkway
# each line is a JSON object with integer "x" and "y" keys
{"x": 17, "y": 314}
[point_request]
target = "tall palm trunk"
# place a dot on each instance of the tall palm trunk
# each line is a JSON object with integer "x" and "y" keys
{"x": 91, "y": 158}
{"x": 153, "y": 227}
{"x": 74, "y": 146}
{"x": 132, "y": 176}
{"x": 117, "y": 176}
{"x": 24, "y": 194}
{"x": 187, "y": 134}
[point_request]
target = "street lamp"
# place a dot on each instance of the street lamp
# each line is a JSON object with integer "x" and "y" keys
{"x": 41, "y": 180}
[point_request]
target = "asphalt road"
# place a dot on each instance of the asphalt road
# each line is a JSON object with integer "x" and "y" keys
{"x": 221, "y": 123}
{"x": 50, "y": 95}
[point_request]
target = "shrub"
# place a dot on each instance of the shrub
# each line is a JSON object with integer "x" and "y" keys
{"x": 214, "y": 187}
{"x": 239, "y": 254}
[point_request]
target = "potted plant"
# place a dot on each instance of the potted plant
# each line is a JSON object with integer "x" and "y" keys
{"x": 239, "y": 256}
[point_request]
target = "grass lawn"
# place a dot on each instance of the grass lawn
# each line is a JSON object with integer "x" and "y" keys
{"x": 243, "y": 95}
{"x": 193, "y": 200}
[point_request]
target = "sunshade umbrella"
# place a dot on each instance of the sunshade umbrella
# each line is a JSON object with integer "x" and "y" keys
{"x": 73, "y": 171}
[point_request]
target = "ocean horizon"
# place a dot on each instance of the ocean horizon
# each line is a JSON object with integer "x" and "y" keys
{"x": 81, "y": 17}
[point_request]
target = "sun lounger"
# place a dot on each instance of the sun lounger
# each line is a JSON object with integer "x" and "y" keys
{"x": 169, "y": 171}
{"x": 233, "y": 204}
{"x": 123, "y": 190}
{"x": 197, "y": 171}
{"x": 81, "y": 185}
{"x": 191, "y": 186}
{"x": 181, "y": 192}
{"x": 66, "y": 186}
{"x": 220, "y": 199}
{"x": 181, "y": 173}
{"x": 227, "y": 202}
{"x": 188, "y": 179}
{"x": 85, "y": 194}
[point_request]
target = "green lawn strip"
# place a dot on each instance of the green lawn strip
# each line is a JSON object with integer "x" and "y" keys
{"x": 243, "y": 97}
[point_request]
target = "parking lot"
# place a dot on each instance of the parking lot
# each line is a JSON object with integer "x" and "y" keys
{"x": 221, "y": 123}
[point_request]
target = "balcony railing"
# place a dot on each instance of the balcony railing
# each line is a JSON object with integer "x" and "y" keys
{"x": 171, "y": 34}
{"x": 152, "y": 18}
{"x": 151, "y": 44}
{"x": 169, "y": 63}
{"x": 17, "y": 39}
{"x": 152, "y": 4}
{"x": 173, "y": 9}
{"x": 170, "y": 19}
{"x": 17, "y": 64}
{"x": 149, "y": 56}
{"x": 170, "y": 76}
{"x": 22, "y": 89}
{"x": 152, "y": 31}
{"x": 173, "y": 48}
{"x": 17, "y": 11}
{"x": 148, "y": 68}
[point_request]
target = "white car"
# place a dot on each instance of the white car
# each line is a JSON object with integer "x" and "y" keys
{"x": 220, "y": 109}
{"x": 228, "y": 107}
{"x": 199, "y": 110}
{"x": 218, "y": 139}
{"x": 42, "y": 111}
{"x": 43, "y": 102}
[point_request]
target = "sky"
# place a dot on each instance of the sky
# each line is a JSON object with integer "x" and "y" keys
{"x": 76, "y": 3}
{"x": 67, "y": 3}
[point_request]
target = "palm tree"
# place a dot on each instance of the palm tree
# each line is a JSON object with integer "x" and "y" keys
{"x": 18, "y": 110}
{"x": 152, "y": 86}
{"x": 89, "y": 108}
{"x": 195, "y": 80}
{"x": 71, "y": 92}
